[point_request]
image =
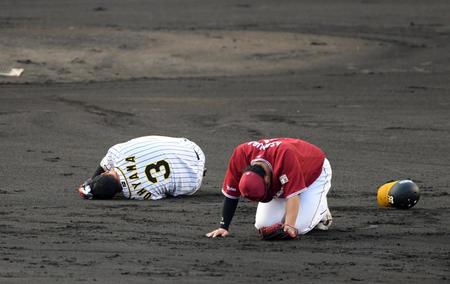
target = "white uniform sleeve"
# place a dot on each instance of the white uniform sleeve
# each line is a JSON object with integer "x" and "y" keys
{"x": 109, "y": 161}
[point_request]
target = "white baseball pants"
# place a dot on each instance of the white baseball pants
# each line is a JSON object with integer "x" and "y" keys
{"x": 313, "y": 205}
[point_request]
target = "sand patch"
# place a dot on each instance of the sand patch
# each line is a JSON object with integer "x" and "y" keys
{"x": 103, "y": 54}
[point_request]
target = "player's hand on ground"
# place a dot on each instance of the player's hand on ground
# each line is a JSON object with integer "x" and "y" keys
{"x": 217, "y": 233}
{"x": 291, "y": 231}
{"x": 80, "y": 190}
{"x": 84, "y": 194}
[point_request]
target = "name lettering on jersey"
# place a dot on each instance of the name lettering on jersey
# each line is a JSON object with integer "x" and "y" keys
{"x": 155, "y": 172}
{"x": 265, "y": 144}
{"x": 131, "y": 168}
{"x": 144, "y": 193}
{"x": 130, "y": 159}
{"x": 133, "y": 175}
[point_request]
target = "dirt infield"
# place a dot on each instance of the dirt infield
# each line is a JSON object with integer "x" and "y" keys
{"x": 367, "y": 81}
{"x": 109, "y": 54}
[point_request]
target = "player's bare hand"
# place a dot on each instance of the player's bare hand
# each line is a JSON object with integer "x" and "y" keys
{"x": 217, "y": 233}
{"x": 80, "y": 190}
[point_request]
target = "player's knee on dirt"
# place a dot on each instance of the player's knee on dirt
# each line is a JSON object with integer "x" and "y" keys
{"x": 305, "y": 224}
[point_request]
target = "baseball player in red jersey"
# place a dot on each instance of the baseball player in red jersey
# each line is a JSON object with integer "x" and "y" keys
{"x": 290, "y": 178}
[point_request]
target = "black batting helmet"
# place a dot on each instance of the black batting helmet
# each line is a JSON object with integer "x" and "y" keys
{"x": 401, "y": 194}
{"x": 101, "y": 187}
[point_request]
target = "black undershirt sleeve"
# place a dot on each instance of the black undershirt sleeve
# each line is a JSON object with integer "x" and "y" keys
{"x": 98, "y": 171}
{"x": 228, "y": 209}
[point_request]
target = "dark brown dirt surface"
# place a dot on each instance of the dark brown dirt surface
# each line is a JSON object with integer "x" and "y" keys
{"x": 380, "y": 111}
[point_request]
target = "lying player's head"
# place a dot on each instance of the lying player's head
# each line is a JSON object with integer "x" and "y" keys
{"x": 104, "y": 186}
{"x": 253, "y": 185}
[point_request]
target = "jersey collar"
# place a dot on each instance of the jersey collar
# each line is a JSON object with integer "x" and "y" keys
{"x": 124, "y": 183}
{"x": 263, "y": 161}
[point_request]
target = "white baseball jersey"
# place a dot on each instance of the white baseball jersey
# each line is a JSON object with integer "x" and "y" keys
{"x": 153, "y": 167}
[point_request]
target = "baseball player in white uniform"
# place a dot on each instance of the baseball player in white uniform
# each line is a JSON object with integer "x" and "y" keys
{"x": 149, "y": 167}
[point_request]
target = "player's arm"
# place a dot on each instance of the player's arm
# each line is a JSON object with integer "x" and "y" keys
{"x": 292, "y": 208}
{"x": 231, "y": 191}
{"x": 228, "y": 210}
{"x": 98, "y": 171}
{"x": 81, "y": 189}
{"x": 107, "y": 162}
{"x": 293, "y": 182}
{"x": 286, "y": 231}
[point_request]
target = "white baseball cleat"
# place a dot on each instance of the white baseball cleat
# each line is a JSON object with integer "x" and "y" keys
{"x": 326, "y": 222}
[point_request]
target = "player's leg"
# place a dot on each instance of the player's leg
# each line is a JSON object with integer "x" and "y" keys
{"x": 313, "y": 201}
{"x": 270, "y": 213}
{"x": 201, "y": 160}
{"x": 198, "y": 167}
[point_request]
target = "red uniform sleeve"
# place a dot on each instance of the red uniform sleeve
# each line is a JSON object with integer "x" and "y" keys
{"x": 235, "y": 168}
{"x": 290, "y": 174}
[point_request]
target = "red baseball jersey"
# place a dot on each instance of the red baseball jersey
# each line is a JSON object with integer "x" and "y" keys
{"x": 295, "y": 165}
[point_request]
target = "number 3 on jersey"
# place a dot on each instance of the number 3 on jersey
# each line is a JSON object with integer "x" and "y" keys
{"x": 158, "y": 171}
